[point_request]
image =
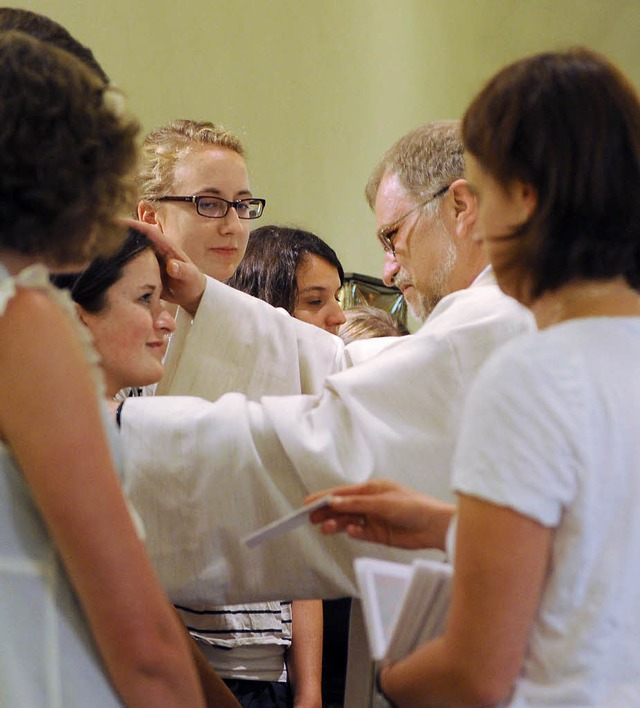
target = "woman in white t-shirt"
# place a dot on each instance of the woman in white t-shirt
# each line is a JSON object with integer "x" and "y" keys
{"x": 545, "y": 608}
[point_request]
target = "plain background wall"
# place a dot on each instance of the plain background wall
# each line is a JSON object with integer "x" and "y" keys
{"x": 319, "y": 89}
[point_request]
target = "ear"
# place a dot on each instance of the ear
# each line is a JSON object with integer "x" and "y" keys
{"x": 82, "y": 314}
{"x": 465, "y": 205}
{"x": 147, "y": 212}
{"x": 527, "y": 196}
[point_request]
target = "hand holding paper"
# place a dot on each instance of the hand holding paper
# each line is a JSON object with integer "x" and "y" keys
{"x": 383, "y": 511}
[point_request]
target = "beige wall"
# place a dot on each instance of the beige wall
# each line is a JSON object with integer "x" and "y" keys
{"x": 320, "y": 88}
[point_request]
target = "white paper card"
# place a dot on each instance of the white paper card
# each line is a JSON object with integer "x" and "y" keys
{"x": 286, "y": 523}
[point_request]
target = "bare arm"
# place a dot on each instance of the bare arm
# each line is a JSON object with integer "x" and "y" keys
{"x": 216, "y": 693}
{"x": 383, "y": 511}
{"x": 305, "y": 655}
{"x": 501, "y": 563}
{"x": 53, "y": 425}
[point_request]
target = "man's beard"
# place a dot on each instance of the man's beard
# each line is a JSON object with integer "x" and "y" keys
{"x": 421, "y": 303}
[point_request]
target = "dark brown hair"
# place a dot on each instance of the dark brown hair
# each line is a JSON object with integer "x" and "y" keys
{"x": 90, "y": 287}
{"x": 567, "y": 123}
{"x": 273, "y": 255}
{"x": 46, "y": 29}
{"x": 67, "y": 154}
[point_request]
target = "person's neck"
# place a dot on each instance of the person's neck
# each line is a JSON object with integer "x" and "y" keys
{"x": 587, "y": 298}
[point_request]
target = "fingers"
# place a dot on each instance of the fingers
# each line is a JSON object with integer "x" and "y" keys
{"x": 338, "y": 524}
{"x": 163, "y": 245}
{"x": 356, "y": 529}
{"x": 374, "y": 486}
{"x": 183, "y": 282}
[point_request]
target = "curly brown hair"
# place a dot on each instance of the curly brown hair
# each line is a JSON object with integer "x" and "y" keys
{"x": 67, "y": 154}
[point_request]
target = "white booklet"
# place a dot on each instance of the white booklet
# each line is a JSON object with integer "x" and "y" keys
{"x": 404, "y": 605}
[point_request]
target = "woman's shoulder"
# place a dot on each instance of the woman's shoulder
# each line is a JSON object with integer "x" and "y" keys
{"x": 32, "y": 284}
{"x": 29, "y": 297}
{"x": 536, "y": 364}
{"x": 26, "y": 289}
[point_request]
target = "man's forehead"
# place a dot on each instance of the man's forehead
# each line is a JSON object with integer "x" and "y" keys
{"x": 392, "y": 200}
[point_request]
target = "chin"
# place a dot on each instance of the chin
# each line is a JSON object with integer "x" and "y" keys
{"x": 151, "y": 375}
{"x": 217, "y": 270}
{"x": 418, "y": 310}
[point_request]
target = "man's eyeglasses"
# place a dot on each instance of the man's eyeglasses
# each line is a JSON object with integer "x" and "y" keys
{"x": 386, "y": 235}
{"x": 217, "y": 207}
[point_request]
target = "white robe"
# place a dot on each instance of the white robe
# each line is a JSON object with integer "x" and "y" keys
{"x": 203, "y": 474}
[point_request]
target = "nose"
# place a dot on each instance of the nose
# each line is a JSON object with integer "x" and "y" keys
{"x": 231, "y": 222}
{"x": 390, "y": 269}
{"x": 335, "y": 317}
{"x": 164, "y": 321}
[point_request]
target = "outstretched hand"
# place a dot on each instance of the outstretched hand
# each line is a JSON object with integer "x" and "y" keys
{"x": 183, "y": 282}
{"x": 383, "y": 511}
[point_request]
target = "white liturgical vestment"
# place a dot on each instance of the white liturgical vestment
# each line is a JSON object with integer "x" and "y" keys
{"x": 204, "y": 474}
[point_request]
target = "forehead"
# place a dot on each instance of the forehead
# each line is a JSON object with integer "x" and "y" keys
{"x": 392, "y": 200}
{"x": 211, "y": 168}
{"x": 143, "y": 269}
{"x": 315, "y": 271}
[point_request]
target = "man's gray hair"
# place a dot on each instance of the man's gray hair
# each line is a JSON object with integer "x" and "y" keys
{"x": 425, "y": 160}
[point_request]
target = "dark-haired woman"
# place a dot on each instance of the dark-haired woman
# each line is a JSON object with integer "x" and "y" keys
{"x": 296, "y": 270}
{"x": 545, "y": 609}
{"x": 118, "y": 299}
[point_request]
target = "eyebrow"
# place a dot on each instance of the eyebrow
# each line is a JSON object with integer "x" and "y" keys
{"x": 311, "y": 288}
{"x": 217, "y": 192}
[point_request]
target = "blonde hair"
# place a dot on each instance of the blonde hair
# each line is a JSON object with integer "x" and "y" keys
{"x": 165, "y": 146}
{"x": 366, "y": 322}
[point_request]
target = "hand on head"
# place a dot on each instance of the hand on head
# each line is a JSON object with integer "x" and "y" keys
{"x": 183, "y": 282}
{"x": 382, "y": 511}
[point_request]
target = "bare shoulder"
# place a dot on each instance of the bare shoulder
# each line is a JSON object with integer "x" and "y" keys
{"x": 28, "y": 302}
{"x": 30, "y": 312}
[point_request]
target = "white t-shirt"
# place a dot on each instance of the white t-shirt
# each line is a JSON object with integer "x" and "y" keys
{"x": 552, "y": 430}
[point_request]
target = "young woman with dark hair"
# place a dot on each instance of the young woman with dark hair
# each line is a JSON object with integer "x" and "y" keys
{"x": 296, "y": 270}
{"x": 118, "y": 299}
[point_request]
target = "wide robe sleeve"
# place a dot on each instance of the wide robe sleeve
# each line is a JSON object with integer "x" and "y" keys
{"x": 203, "y": 474}
{"x": 240, "y": 343}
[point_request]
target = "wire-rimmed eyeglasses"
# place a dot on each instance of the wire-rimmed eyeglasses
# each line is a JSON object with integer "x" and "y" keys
{"x": 386, "y": 237}
{"x": 217, "y": 207}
